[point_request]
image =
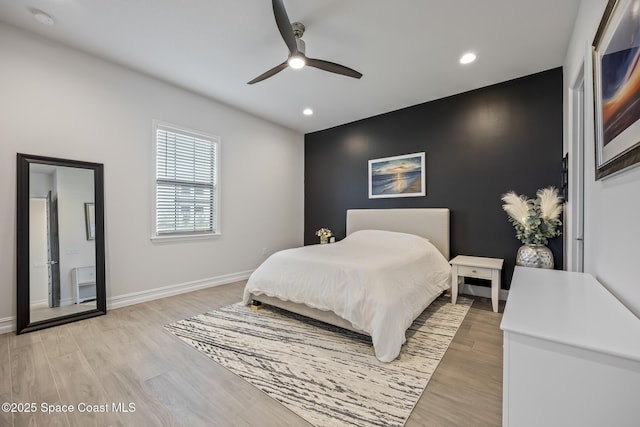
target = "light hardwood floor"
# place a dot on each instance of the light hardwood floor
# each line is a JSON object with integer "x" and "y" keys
{"x": 127, "y": 357}
{"x": 42, "y": 313}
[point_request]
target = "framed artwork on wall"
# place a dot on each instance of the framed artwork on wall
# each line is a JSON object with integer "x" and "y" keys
{"x": 398, "y": 176}
{"x": 90, "y": 220}
{"x": 616, "y": 80}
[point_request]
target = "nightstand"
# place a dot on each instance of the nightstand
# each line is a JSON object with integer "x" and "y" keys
{"x": 480, "y": 268}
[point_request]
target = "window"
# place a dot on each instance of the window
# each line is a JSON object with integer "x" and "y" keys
{"x": 186, "y": 182}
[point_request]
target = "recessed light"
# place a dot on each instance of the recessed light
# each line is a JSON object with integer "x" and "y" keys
{"x": 468, "y": 58}
{"x": 307, "y": 111}
{"x": 42, "y": 17}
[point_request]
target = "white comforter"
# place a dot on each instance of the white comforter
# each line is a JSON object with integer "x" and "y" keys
{"x": 380, "y": 281}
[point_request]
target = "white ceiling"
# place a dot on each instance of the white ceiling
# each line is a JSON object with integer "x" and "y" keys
{"x": 408, "y": 50}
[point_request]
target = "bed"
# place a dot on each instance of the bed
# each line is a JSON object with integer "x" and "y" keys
{"x": 376, "y": 281}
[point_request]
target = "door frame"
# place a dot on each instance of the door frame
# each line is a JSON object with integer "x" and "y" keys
{"x": 574, "y": 230}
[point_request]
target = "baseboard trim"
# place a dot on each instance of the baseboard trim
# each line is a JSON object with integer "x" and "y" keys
{"x": 67, "y": 301}
{"x": 483, "y": 291}
{"x": 181, "y": 288}
{"x": 43, "y": 303}
{"x": 8, "y": 324}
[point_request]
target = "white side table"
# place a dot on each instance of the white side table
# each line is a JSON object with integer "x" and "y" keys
{"x": 479, "y": 267}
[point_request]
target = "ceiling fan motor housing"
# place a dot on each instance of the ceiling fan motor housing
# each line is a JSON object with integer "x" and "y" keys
{"x": 298, "y": 29}
{"x": 301, "y": 46}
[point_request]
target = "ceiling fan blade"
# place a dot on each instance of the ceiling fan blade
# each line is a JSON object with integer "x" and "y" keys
{"x": 332, "y": 67}
{"x": 275, "y": 70}
{"x": 284, "y": 26}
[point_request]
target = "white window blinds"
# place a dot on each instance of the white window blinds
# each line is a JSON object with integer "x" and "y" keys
{"x": 186, "y": 182}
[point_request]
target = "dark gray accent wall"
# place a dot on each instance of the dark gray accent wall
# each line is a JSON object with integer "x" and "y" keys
{"x": 479, "y": 145}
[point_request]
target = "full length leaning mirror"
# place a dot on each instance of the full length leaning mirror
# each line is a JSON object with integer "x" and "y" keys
{"x": 60, "y": 242}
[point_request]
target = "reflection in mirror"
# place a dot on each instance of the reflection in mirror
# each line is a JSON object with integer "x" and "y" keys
{"x": 60, "y": 281}
{"x": 60, "y": 242}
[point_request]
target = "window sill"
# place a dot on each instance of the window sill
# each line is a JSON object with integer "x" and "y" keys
{"x": 184, "y": 237}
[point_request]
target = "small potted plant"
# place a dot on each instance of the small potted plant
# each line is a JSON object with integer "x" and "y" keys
{"x": 535, "y": 221}
{"x": 324, "y": 234}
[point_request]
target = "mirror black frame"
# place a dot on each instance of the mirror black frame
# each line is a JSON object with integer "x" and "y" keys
{"x": 23, "y": 323}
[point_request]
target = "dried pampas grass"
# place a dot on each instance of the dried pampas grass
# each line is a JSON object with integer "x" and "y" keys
{"x": 516, "y": 206}
{"x": 550, "y": 203}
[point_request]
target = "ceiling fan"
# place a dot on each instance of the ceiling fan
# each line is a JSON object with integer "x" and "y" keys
{"x": 292, "y": 35}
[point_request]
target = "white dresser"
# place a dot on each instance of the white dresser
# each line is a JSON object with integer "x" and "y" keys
{"x": 571, "y": 353}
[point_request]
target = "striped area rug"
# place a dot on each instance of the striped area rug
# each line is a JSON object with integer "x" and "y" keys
{"x": 329, "y": 376}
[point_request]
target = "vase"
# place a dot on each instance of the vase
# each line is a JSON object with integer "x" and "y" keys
{"x": 537, "y": 256}
{"x": 324, "y": 240}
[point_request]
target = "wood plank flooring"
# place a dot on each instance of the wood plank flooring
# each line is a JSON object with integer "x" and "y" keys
{"x": 127, "y": 358}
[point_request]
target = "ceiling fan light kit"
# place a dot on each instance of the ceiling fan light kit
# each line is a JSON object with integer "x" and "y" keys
{"x": 296, "y": 62}
{"x": 292, "y": 35}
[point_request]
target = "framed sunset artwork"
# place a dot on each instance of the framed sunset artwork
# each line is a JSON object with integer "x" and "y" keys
{"x": 398, "y": 176}
{"x": 616, "y": 78}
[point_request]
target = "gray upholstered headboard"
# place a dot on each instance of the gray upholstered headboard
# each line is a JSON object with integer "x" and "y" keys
{"x": 432, "y": 224}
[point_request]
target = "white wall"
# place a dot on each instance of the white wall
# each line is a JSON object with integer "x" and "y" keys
{"x": 612, "y": 204}
{"x": 40, "y": 184}
{"x": 60, "y": 102}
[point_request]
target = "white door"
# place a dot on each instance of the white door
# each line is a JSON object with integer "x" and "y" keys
{"x": 38, "y": 254}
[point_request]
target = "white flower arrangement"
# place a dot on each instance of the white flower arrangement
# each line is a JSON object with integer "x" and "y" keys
{"x": 536, "y": 220}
